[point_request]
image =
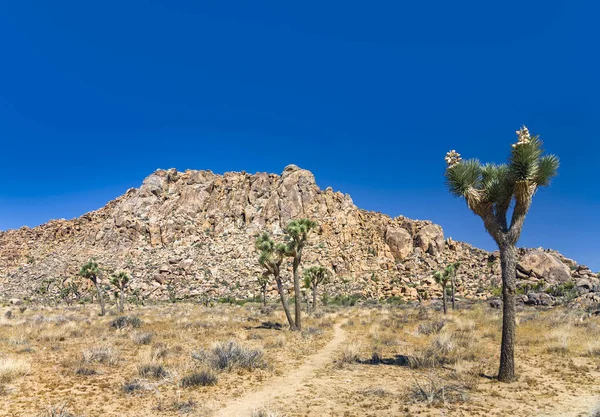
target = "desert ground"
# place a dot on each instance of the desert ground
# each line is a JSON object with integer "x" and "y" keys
{"x": 231, "y": 360}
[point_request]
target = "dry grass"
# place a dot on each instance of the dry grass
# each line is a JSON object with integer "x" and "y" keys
{"x": 185, "y": 358}
{"x": 12, "y": 368}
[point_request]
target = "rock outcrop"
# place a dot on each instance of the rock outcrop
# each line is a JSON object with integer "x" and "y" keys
{"x": 193, "y": 233}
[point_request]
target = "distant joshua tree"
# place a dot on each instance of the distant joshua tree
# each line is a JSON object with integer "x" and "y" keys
{"x": 297, "y": 234}
{"x": 91, "y": 271}
{"x": 442, "y": 277}
{"x": 452, "y": 268}
{"x": 270, "y": 256}
{"x": 120, "y": 281}
{"x": 263, "y": 283}
{"x": 313, "y": 277}
{"x": 489, "y": 191}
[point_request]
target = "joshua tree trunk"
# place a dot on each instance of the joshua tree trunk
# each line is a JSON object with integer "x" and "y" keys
{"x": 314, "y": 291}
{"x": 508, "y": 260}
{"x": 122, "y": 301}
{"x": 297, "y": 305}
{"x": 444, "y": 299}
{"x": 453, "y": 289}
{"x": 284, "y": 303}
{"x": 264, "y": 296}
{"x": 100, "y": 299}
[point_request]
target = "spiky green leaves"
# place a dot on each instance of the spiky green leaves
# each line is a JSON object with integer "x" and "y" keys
{"x": 547, "y": 169}
{"x": 90, "y": 271}
{"x": 315, "y": 275}
{"x": 463, "y": 177}
{"x": 269, "y": 252}
{"x": 120, "y": 280}
{"x": 495, "y": 184}
{"x": 298, "y": 230}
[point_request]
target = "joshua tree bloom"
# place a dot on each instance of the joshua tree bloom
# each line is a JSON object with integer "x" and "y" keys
{"x": 452, "y": 158}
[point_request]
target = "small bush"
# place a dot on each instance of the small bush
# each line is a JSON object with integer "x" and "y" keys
{"x": 56, "y": 411}
{"x": 152, "y": 370}
{"x": 100, "y": 354}
{"x": 131, "y": 387}
{"x": 142, "y": 338}
{"x": 230, "y": 355}
{"x": 83, "y": 371}
{"x": 432, "y": 327}
{"x": 126, "y": 321}
{"x": 434, "y": 390}
{"x": 349, "y": 354}
{"x": 199, "y": 379}
{"x": 12, "y": 368}
{"x": 311, "y": 331}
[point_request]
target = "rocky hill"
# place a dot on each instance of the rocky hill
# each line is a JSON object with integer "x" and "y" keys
{"x": 191, "y": 235}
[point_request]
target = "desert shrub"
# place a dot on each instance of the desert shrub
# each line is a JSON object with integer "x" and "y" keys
{"x": 311, "y": 331}
{"x": 126, "y": 321}
{"x": 131, "y": 387}
{"x": 445, "y": 348}
{"x": 203, "y": 378}
{"x": 12, "y": 368}
{"x": 349, "y": 354}
{"x": 230, "y": 355}
{"x": 152, "y": 370}
{"x": 8, "y": 314}
{"x": 432, "y": 389}
{"x": 83, "y": 371}
{"x": 56, "y": 411}
{"x": 431, "y": 327}
{"x": 100, "y": 354}
{"x": 142, "y": 338}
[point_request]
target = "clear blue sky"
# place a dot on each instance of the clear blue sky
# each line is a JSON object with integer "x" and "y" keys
{"x": 94, "y": 96}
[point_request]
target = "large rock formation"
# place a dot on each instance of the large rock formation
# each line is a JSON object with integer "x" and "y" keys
{"x": 194, "y": 231}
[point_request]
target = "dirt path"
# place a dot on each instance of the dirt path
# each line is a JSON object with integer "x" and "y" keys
{"x": 285, "y": 385}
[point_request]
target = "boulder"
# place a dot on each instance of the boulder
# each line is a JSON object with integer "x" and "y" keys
{"x": 431, "y": 239}
{"x": 539, "y": 299}
{"x": 399, "y": 241}
{"x": 545, "y": 266}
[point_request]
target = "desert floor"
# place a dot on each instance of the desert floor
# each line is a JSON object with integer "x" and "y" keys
{"x": 187, "y": 359}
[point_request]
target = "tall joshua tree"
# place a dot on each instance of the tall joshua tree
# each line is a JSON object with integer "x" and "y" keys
{"x": 121, "y": 281}
{"x": 313, "y": 277}
{"x": 490, "y": 191}
{"x": 271, "y": 256}
{"x": 91, "y": 271}
{"x": 442, "y": 277}
{"x": 297, "y": 234}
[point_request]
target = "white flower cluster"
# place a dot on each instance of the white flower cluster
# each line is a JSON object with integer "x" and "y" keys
{"x": 524, "y": 136}
{"x": 452, "y": 158}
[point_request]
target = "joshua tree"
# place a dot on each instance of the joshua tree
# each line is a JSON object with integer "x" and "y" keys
{"x": 313, "y": 277}
{"x": 270, "y": 257}
{"x": 442, "y": 277}
{"x": 452, "y": 271}
{"x": 121, "y": 281}
{"x": 263, "y": 282}
{"x": 489, "y": 191}
{"x": 91, "y": 271}
{"x": 297, "y": 234}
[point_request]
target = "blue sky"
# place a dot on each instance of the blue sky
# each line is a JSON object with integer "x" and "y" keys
{"x": 94, "y": 96}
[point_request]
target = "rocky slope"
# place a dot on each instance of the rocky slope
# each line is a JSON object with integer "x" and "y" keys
{"x": 192, "y": 233}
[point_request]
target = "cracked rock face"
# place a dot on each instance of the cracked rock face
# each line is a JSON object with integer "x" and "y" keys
{"x": 195, "y": 230}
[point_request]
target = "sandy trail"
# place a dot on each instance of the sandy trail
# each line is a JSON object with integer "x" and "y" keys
{"x": 285, "y": 385}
